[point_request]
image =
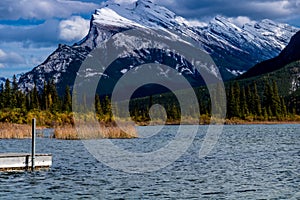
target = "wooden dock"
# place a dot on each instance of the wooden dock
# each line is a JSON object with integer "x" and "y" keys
{"x": 23, "y": 161}
{"x": 26, "y": 161}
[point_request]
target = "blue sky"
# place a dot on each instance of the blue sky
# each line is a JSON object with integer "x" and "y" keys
{"x": 30, "y": 30}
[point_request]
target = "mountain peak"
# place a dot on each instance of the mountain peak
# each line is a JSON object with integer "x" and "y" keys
{"x": 233, "y": 48}
{"x": 289, "y": 54}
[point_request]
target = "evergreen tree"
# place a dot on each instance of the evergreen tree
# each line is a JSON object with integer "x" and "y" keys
{"x": 236, "y": 93}
{"x": 34, "y": 96}
{"x": 45, "y": 102}
{"x": 7, "y": 94}
{"x": 28, "y": 102}
{"x": 276, "y": 104}
{"x": 243, "y": 104}
{"x": 107, "y": 109}
{"x": 98, "y": 107}
{"x": 14, "y": 93}
{"x": 256, "y": 101}
{"x": 21, "y": 100}
{"x": 267, "y": 99}
{"x": 283, "y": 107}
{"x": 231, "y": 103}
{"x": 74, "y": 101}
{"x": 1, "y": 96}
{"x": 249, "y": 100}
{"x": 53, "y": 98}
{"x": 175, "y": 112}
{"x": 67, "y": 100}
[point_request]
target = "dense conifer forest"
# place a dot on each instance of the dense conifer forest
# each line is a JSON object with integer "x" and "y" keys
{"x": 244, "y": 102}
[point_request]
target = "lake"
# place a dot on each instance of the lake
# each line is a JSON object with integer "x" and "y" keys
{"x": 248, "y": 162}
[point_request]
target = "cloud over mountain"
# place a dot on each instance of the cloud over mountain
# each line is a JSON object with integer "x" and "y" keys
{"x": 42, "y": 9}
{"x": 74, "y": 29}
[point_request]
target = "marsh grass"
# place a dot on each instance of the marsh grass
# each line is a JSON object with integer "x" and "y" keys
{"x": 90, "y": 131}
{"x": 14, "y": 131}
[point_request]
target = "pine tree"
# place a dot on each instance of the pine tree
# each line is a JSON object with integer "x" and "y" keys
{"x": 283, "y": 107}
{"x": 67, "y": 100}
{"x": 28, "y": 102}
{"x": 98, "y": 107}
{"x": 7, "y": 94}
{"x": 1, "y": 96}
{"x": 256, "y": 101}
{"x": 34, "y": 96}
{"x": 21, "y": 100}
{"x": 237, "y": 94}
{"x": 45, "y": 102}
{"x": 231, "y": 103}
{"x": 14, "y": 93}
{"x": 107, "y": 109}
{"x": 243, "y": 104}
{"x": 74, "y": 101}
{"x": 249, "y": 100}
{"x": 267, "y": 99}
{"x": 276, "y": 104}
{"x": 53, "y": 98}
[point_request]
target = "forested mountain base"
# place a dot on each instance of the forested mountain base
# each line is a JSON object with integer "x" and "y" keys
{"x": 245, "y": 103}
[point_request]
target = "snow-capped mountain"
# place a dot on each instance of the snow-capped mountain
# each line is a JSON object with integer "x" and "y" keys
{"x": 2, "y": 80}
{"x": 234, "y": 49}
{"x": 289, "y": 54}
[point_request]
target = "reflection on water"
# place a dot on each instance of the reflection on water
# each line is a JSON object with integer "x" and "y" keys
{"x": 249, "y": 162}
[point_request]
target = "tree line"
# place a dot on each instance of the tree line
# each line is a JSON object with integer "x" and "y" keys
{"x": 47, "y": 99}
{"x": 243, "y": 102}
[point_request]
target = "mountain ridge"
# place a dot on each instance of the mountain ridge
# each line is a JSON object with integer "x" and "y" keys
{"x": 234, "y": 49}
{"x": 289, "y": 54}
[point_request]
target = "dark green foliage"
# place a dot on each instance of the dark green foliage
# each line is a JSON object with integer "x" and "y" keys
{"x": 243, "y": 104}
{"x": 256, "y": 101}
{"x": 244, "y": 101}
{"x": 7, "y": 94}
{"x": 98, "y": 107}
{"x": 1, "y": 96}
{"x": 67, "y": 100}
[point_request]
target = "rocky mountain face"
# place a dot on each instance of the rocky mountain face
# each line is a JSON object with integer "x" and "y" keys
{"x": 234, "y": 49}
{"x": 290, "y": 54}
{"x": 2, "y": 80}
{"x": 283, "y": 69}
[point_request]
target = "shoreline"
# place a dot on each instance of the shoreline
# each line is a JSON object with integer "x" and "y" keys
{"x": 67, "y": 132}
{"x": 264, "y": 123}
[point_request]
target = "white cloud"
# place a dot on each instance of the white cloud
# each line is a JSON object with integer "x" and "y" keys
{"x": 74, "y": 29}
{"x": 282, "y": 10}
{"x": 45, "y": 34}
{"x": 10, "y": 57}
{"x": 31, "y": 57}
{"x": 197, "y": 23}
{"x": 43, "y": 9}
{"x": 241, "y": 20}
{"x": 124, "y": 1}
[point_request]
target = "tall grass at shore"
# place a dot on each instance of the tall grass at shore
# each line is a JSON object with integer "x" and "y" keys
{"x": 14, "y": 131}
{"x": 103, "y": 131}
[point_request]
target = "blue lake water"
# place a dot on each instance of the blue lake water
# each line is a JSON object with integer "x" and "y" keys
{"x": 248, "y": 162}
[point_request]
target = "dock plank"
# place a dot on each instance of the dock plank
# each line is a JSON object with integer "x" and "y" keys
{"x": 22, "y": 161}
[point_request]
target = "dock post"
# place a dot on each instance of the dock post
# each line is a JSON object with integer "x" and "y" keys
{"x": 33, "y": 144}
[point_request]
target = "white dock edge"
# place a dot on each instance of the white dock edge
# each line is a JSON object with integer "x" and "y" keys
{"x": 23, "y": 161}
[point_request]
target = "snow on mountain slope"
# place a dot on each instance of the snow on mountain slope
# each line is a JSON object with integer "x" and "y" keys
{"x": 249, "y": 44}
{"x": 234, "y": 49}
{"x": 2, "y": 80}
{"x": 61, "y": 67}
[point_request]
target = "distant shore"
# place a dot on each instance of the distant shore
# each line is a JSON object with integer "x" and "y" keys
{"x": 69, "y": 132}
{"x": 111, "y": 131}
{"x": 262, "y": 122}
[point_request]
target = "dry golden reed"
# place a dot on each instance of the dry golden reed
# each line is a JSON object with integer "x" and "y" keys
{"x": 86, "y": 131}
{"x": 14, "y": 131}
